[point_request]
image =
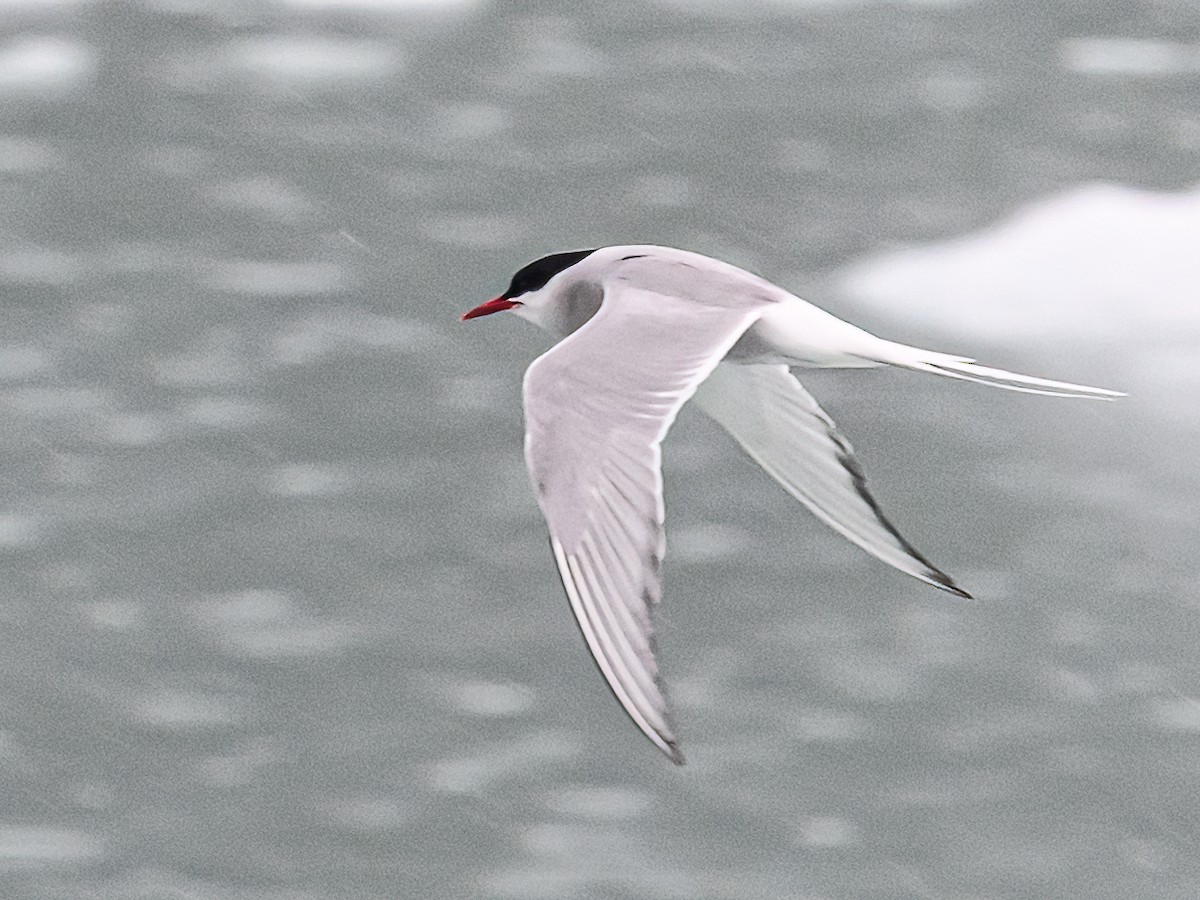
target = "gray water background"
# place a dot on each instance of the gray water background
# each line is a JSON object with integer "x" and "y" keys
{"x": 278, "y": 619}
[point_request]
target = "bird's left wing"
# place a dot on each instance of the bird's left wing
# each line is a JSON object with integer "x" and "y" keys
{"x": 597, "y": 406}
{"x": 781, "y": 426}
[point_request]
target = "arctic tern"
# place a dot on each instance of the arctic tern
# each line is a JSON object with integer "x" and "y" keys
{"x": 642, "y": 329}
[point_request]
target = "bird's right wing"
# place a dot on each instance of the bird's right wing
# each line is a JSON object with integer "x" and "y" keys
{"x": 781, "y": 426}
{"x": 597, "y": 406}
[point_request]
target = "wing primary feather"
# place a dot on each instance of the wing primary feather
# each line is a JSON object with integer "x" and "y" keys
{"x": 664, "y": 740}
{"x": 631, "y": 592}
{"x": 600, "y": 648}
{"x": 637, "y": 672}
{"x": 616, "y": 663}
{"x": 935, "y": 575}
{"x": 784, "y": 430}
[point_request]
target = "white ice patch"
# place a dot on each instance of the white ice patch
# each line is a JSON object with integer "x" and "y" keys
{"x": 1099, "y": 264}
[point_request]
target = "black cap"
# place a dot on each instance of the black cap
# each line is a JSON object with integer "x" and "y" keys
{"x": 534, "y": 276}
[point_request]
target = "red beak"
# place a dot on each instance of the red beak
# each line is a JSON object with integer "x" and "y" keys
{"x": 492, "y": 306}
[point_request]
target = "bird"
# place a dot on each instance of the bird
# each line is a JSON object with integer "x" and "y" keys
{"x": 642, "y": 329}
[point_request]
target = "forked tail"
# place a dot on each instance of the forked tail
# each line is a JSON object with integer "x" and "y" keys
{"x": 964, "y": 368}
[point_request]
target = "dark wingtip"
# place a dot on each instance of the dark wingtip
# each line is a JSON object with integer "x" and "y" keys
{"x": 946, "y": 583}
{"x": 675, "y": 755}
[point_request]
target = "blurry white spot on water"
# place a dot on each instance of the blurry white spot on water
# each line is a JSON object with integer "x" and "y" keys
{"x": 670, "y": 191}
{"x": 70, "y": 576}
{"x": 599, "y": 803}
{"x": 485, "y": 698}
{"x": 996, "y": 728}
{"x": 829, "y": 726}
{"x": 32, "y": 847}
{"x": 932, "y": 634}
{"x": 531, "y": 884}
{"x": 1069, "y": 686}
{"x": 263, "y": 195}
{"x": 22, "y": 361}
{"x": 339, "y": 330}
{"x": 707, "y": 542}
{"x": 265, "y": 624}
{"x": 133, "y": 430}
{"x": 1018, "y": 856}
{"x": 865, "y": 678}
{"x": 801, "y": 155}
{"x": 137, "y": 258}
{"x": 182, "y": 710}
{"x": 275, "y": 279}
{"x": 521, "y": 757}
{"x": 17, "y": 530}
{"x": 175, "y": 160}
{"x": 36, "y": 265}
{"x": 552, "y": 48}
{"x": 1077, "y": 760}
{"x": 476, "y": 230}
{"x": 106, "y": 319}
{"x": 433, "y": 7}
{"x": 115, "y": 615}
{"x": 472, "y": 393}
{"x": 1075, "y": 627}
{"x": 215, "y": 359}
{"x": 307, "y": 480}
{"x": 366, "y": 813}
{"x": 305, "y": 638}
{"x": 241, "y": 767}
{"x": 1147, "y": 855}
{"x": 469, "y": 122}
{"x": 950, "y": 91}
{"x": 1177, "y": 713}
{"x": 826, "y": 831}
{"x": 310, "y": 61}
{"x": 17, "y": 6}
{"x": 1186, "y": 131}
{"x": 950, "y": 790}
{"x": 247, "y": 609}
{"x": 18, "y": 155}
{"x": 555, "y": 839}
{"x": 72, "y": 469}
{"x": 1129, "y": 57}
{"x": 725, "y": 8}
{"x": 60, "y": 402}
{"x": 92, "y": 795}
{"x": 44, "y": 64}
{"x": 223, "y": 412}
{"x": 1143, "y": 679}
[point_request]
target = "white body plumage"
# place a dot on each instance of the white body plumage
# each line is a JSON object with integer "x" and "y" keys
{"x": 644, "y": 329}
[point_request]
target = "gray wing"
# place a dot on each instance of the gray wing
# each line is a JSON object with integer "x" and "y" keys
{"x": 597, "y": 406}
{"x": 781, "y": 426}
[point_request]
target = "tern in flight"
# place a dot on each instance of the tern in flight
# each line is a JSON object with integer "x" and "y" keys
{"x": 642, "y": 329}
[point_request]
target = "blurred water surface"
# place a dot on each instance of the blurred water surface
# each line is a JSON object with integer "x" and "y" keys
{"x": 279, "y": 620}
